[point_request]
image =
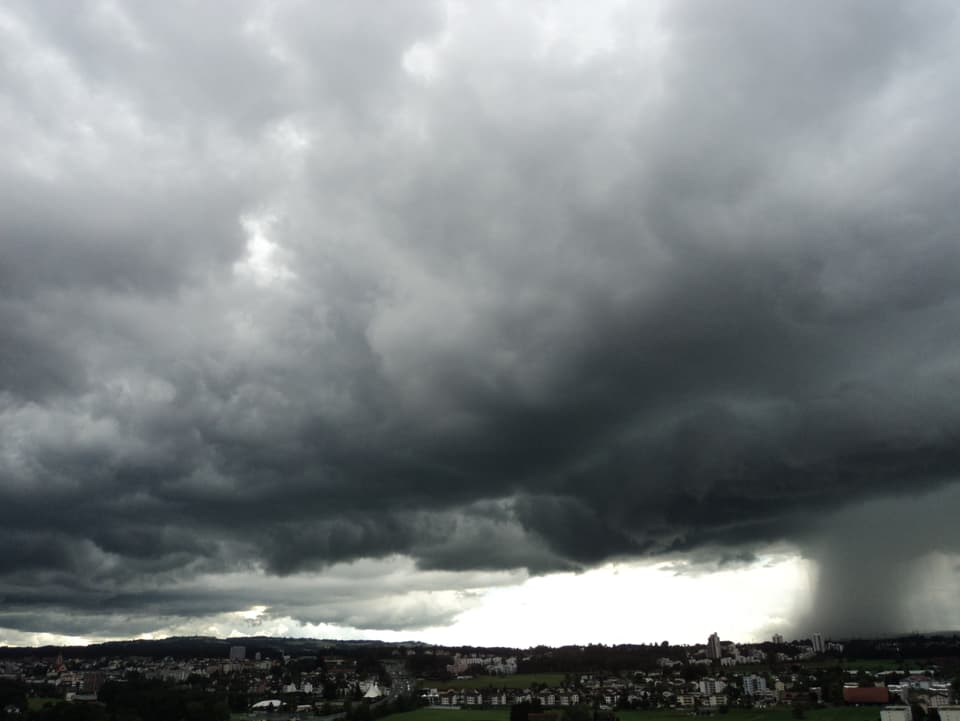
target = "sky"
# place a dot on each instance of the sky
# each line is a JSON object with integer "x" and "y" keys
{"x": 472, "y": 323}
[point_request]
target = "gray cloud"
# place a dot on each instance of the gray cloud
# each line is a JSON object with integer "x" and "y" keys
{"x": 275, "y": 296}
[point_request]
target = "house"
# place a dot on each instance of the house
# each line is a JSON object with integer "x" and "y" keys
{"x": 896, "y": 713}
{"x": 870, "y": 695}
{"x": 450, "y": 698}
{"x": 949, "y": 713}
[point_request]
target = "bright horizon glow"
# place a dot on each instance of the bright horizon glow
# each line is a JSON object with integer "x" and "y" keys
{"x": 626, "y": 602}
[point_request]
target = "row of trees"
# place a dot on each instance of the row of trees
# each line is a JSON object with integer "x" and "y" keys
{"x": 136, "y": 700}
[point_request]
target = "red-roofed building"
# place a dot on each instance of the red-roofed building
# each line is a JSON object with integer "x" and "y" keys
{"x": 868, "y": 695}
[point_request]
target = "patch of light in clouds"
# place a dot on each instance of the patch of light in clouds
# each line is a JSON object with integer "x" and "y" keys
{"x": 616, "y": 603}
{"x": 636, "y": 603}
{"x": 261, "y": 263}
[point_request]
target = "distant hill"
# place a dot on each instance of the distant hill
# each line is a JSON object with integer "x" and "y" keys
{"x": 181, "y": 647}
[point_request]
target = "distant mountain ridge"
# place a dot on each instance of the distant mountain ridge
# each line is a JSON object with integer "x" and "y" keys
{"x": 202, "y": 647}
{"x": 936, "y": 643}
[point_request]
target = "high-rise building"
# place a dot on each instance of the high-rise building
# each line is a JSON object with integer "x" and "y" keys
{"x": 754, "y": 685}
{"x": 238, "y": 653}
{"x": 778, "y": 638}
{"x": 818, "y": 646}
{"x": 713, "y": 646}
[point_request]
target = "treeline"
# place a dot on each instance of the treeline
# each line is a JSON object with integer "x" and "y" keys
{"x": 366, "y": 711}
{"x": 594, "y": 658}
{"x": 529, "y": 710}
{"x": 186, "y": 647}
{"x": 134, "y": 700}
{"x": 429, "y": 666}
{"x": 907, "y": 647}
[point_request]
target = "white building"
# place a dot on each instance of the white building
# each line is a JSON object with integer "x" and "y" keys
{"x": 818, "y": 645}
{"x": 268, "y": 703}
{"x": 502, "y": 666}
{"x": 754, "y": 685}
{"x": 896, "y": 713}
{"x": 778, "y": 638}
{"x": 712, "y": 686}
{"x": 949, "y": 713}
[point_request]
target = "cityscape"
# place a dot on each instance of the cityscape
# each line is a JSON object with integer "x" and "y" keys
{"x": 913, "y": 678}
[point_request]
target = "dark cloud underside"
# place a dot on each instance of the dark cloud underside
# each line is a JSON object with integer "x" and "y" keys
{"x": 289, "y": 285}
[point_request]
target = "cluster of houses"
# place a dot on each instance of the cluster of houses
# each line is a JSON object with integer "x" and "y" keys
{"x": 905, "y": 713}
{"x": 918, "y": 688}
{"x": 81, "y": 680}
{"x": 299, "y": 682}
{"x": 668, "y": 689}
{"x": 489, "y": 664}
{"x": 656, "y": 690}
{"x": 499, "y": 697}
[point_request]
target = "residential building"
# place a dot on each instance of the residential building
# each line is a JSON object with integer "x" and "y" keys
{"x": 870, "y": 695}
{"x": 949, "y": 713}
{"x": 712, "y": 686}
{"x": 754, "y": 685}
{"x": 238, "y": 653}
{"x": 713, "y": 646}
{"x": 896, "y": 713}
{"x": 818, "y": 645}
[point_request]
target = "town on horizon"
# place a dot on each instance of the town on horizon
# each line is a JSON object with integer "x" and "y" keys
{"x": 910, "y": 678}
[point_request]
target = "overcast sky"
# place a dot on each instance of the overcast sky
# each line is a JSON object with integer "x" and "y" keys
{"x": 521, "y": 322}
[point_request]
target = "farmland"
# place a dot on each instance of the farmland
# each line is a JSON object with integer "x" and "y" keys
{"x": 840, "y": 713}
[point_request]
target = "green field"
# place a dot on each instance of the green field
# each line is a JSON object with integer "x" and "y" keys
{"x": 35, "y": 703}
{"x": 881, "y": 664}
{"x": 452, "y": 714}
{"x": 777, "y": 714}
{"x": 840, "y": 713}
{"x": 517, "y": 680}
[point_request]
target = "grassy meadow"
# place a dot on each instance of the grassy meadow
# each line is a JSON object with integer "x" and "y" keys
{"x": 452, "y": 714}
{"x": 840, "y": 713}
{"x": 783, "y": 713}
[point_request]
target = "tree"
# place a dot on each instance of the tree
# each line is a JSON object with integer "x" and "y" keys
{"x": 578, "y": 713}
{"x": 521, "y": 711}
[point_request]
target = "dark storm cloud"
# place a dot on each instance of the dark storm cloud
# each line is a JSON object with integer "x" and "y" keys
{"x": 274, "y": 296}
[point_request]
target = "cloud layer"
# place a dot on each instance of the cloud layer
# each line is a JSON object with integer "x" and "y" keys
{"x": 287, "y": 285}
